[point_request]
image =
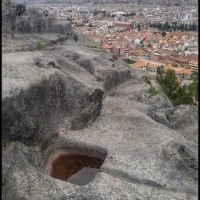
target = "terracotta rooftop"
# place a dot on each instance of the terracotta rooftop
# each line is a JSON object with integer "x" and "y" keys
{"x": 107, "y": 47}
{"x": 168, "y": 66}
{"x": 152, "y": 65}
{"x": 138, "y": 65}
{"x": 184, "y": 71}
{"x": 194, "y": 61}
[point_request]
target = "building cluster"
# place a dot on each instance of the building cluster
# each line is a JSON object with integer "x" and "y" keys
{"x": 131, "y": 33}
{"x": 148, "y": 46}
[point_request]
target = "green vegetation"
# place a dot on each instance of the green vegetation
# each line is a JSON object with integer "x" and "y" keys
{"x": 147, "y": 80}
{"x": 20, "y": 49}
{"x": 4, "y": 143}
{"x": 4, "y": 178}
{"x": 160, "y": 73}
{"x": 167, "y": 115}
{"x": 174, "y": 26}
{"x": 115, "y": 57}
{"x": 92, "y": 46}
{"x": 176, "y": 93}
{"x": 138, "y": 27}
{"x": 129, "y": 61}
{"x": 104, "y": 96}
{"x": 153, "y": 91}
{"x": 39, "y": 45}
{"x": 96, "y": 12}
{"x": 193, "y": 88}
{"x": 163, "y": 33}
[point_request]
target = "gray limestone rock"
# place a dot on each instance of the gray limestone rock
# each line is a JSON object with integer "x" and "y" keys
{"x": 115, "y": 77}
{"x": 20, "y": 8}
{"x": 183, "y": 118}
{"x": 18, "y": 19}
{"x": 61, "y": 27}
{"x": 39, "y": 105}
{"x": 53, "y": 103}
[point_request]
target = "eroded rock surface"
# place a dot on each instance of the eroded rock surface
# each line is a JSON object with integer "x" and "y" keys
{"x": 17, "y": 19}
{"x": 69, "y": 98}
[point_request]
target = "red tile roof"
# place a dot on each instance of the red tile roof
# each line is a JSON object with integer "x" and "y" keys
{"x": 137, "y": 65}
{"x": 184, "y": 71}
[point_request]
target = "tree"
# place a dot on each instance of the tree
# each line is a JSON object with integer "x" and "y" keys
{"x": 176, "y": 93}
{"x": 149, "y": 45}
{"x": 181, "y": 27}
{"x": 193, "y": 27}
{"x": 159, "y": 26}
{"x": 193, "y": 88}
{"x": 181, "y": 96}
{"x": 139, "y": 27}
{"x": 129, "y": 61}
{"x": 166, "y": 26}
{"x": 186, "y": 98}
{"x": 170, "y": 83}
{"x": 160, "y": 73}
{"x": 186, "y": 27}
{"x": 175, "y": 28}
{"x": 163, "y": 33}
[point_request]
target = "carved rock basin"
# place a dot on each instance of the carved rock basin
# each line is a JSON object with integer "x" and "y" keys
{"x": 76, "y": 168}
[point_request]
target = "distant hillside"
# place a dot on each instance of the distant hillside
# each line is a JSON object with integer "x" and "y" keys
{"x": 152, "y": 2}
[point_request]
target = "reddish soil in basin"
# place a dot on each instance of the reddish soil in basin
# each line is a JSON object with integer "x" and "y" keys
{"x": 76, "y": 168}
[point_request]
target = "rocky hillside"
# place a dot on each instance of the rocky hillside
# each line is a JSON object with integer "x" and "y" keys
{"x": 62, "y": 96}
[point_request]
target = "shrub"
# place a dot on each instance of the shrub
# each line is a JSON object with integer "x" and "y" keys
{"x": 167, "y": 115}
{"x": 20, "y": 49}
{"x": 129, "y": 61}
{"x": 147, "y": 80}
{"x": 39, "y": 45}
{"x": 176, "y": 93}
{"x": 92, "y": 46}
{"x": 115, "y": 57}
{"x": 152, "y": 91}
{"x": 4, "y": 143}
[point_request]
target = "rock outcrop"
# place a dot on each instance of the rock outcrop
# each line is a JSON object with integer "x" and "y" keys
{"x": 35, "y": 105}
{"x": 8, "y": 16}
{"x": 68, "y": 97}
{"x": 17, "y": 19}
{"x": 181, "y": 118}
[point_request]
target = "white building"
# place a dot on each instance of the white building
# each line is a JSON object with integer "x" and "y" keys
{"x": 187, "y": 16}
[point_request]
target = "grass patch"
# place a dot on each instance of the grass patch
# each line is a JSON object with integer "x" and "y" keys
{"x": 92, "y": 46}
{"x": 129, "y": 61}
{"x": 115, "y": 57}
{"x": 39, "y": 45}
{"x": 147, "y": 80}
{"x": 152, "y": 91}
{"x": 20, "y": 49}
{"x": 4, "y": 178}
{"x": 167, "y": 115}
{"x": 4, "y": 143}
